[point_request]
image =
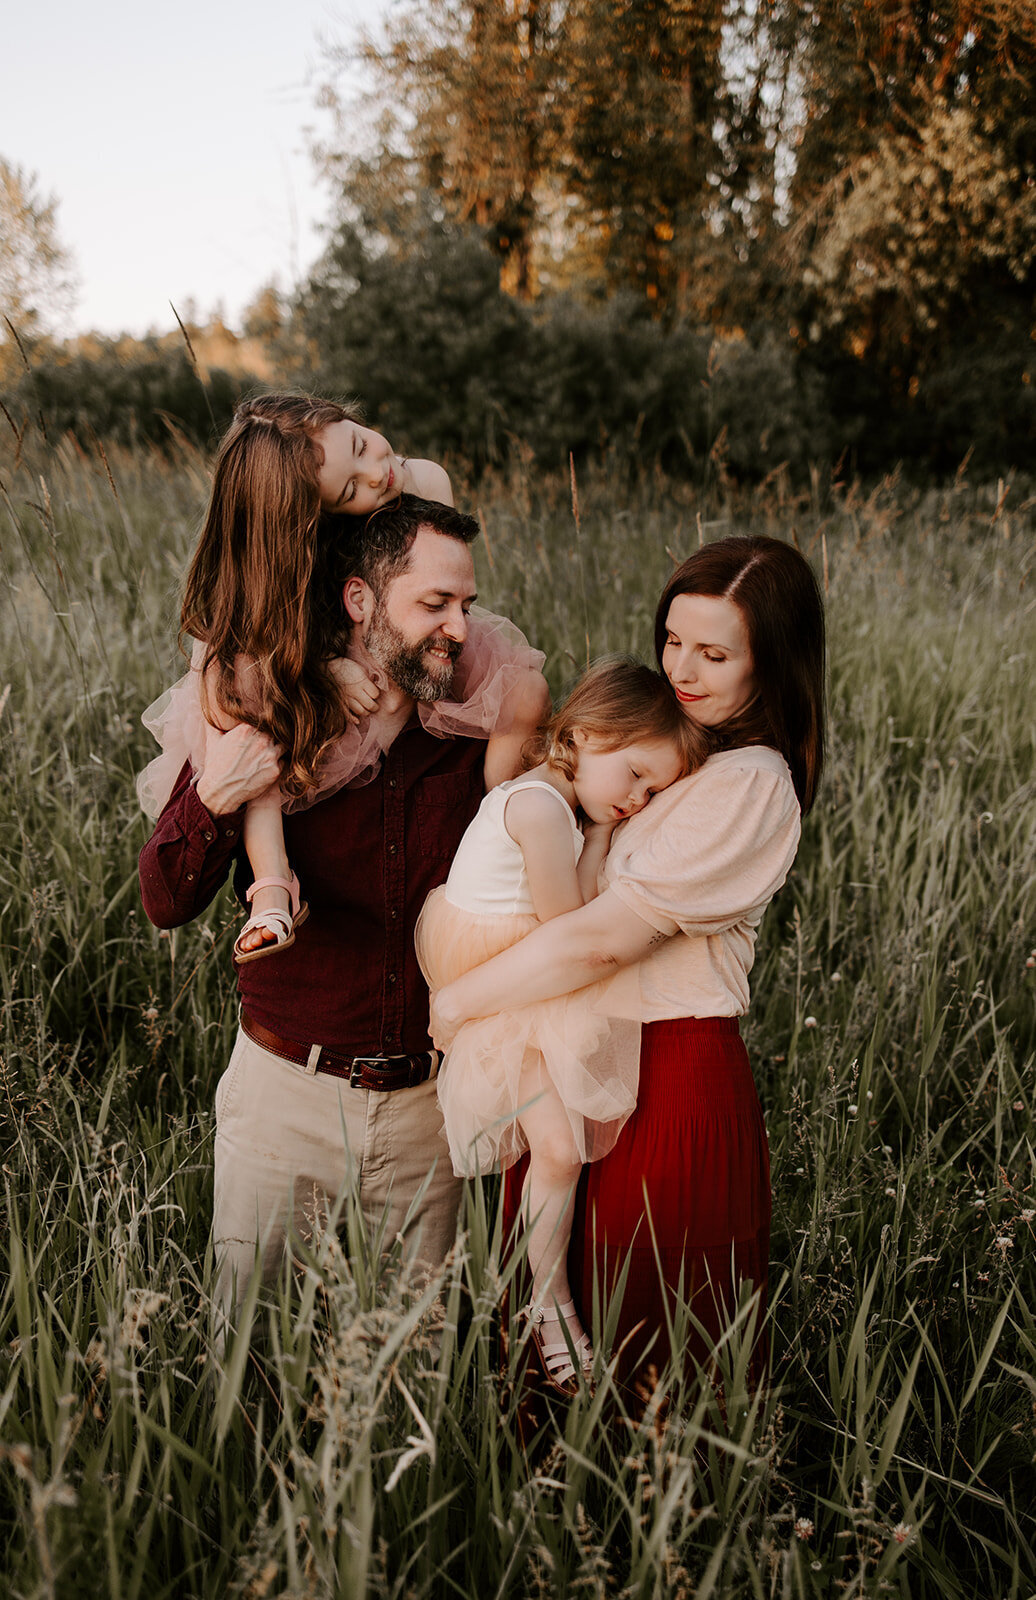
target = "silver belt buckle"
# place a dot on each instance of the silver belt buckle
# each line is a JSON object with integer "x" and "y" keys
{"x": 359, "y": 1062}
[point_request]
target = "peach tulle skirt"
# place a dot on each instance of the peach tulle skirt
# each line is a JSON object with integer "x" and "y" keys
{"x": 591, "y": 1059}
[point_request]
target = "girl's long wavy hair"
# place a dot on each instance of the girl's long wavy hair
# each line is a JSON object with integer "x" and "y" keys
{"x": 247, "y": 593}
{"x": 777, "y": 593}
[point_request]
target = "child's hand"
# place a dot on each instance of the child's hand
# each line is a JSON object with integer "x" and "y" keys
{"x": 360, "y": 693}
{"x": 598, "y": 833}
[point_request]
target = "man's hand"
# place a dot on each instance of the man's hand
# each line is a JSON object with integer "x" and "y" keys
{"x": 239, "y": 765}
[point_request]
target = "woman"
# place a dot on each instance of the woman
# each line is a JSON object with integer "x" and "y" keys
{"x": 683, "y": 1200}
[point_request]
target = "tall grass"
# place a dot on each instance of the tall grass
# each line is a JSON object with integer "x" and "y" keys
{"x": 367, "y": 1440}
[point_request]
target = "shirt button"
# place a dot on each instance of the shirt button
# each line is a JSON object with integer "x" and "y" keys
{"x": 189, "y": 876}
{"x": 392, "y": 849}
{"x": 231, "y": 833}
{"x": 392, "y": 783}
{"x": 393, "y": 914}
{"x": 208, "y": 836}
{"x": 392, "y": 977}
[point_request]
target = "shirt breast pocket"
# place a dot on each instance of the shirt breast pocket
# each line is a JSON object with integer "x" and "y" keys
{"x": 444, "y": 804}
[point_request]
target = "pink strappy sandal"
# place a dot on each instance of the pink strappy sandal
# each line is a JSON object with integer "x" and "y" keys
{"x": 281, "y": 924}
{"x": 555, "y": 1357}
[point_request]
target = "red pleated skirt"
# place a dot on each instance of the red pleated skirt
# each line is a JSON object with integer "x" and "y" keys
{"x": 682, "y": 1202}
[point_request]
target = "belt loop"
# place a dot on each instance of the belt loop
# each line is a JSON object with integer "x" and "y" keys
{"x": 312, "y": 1059}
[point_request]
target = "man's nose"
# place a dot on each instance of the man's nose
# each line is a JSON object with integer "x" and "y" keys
{"x": 455, "y": 625}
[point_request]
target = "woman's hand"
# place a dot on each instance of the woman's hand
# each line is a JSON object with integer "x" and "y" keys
{"x": 360, "y": 693}
{"x": 239, "y": 765}
{"x": 445, "y": 1016}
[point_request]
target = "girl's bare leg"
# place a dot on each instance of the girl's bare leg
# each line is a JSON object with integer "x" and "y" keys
{"x": 263, "y": 836}
{"x": 549, "y": 1195}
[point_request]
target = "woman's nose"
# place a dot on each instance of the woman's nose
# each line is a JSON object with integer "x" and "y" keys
{"x": 684, "y": 668}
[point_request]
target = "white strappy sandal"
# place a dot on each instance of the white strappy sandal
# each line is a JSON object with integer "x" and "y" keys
{"x": 281, "y": 924}
{"x": 555, "y": 1357}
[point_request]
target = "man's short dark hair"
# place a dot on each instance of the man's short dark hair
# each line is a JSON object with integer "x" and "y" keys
{"x": 382, "y": 550}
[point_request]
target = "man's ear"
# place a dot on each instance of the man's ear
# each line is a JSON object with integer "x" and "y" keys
{"x": 358, "y": 600}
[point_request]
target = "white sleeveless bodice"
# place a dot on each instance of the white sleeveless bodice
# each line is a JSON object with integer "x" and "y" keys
{"x": 488, "y": 872}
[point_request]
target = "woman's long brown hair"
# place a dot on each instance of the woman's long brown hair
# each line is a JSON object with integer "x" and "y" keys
{"x": 247, "y": 591}
{"x": 777, "y": 593}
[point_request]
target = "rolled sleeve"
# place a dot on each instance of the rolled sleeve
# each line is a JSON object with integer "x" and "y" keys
{"x": 187, "y": 857}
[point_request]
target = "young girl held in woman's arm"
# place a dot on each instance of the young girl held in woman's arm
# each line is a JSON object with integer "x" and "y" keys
{"x": 557, "y": 1079}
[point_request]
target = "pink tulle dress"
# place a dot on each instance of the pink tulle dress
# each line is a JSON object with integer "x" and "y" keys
{"x": 494, "y": 662}
{"x": 592, "y": 1059}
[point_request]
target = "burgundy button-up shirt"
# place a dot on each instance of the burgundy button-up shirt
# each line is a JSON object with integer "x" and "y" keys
{"x": 366, "y": 858}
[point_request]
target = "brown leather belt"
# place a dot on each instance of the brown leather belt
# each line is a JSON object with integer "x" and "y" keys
{"x": 380, "y": 1073}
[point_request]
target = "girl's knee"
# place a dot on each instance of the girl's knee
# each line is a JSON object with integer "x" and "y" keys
{"x": 555, "y": 1158}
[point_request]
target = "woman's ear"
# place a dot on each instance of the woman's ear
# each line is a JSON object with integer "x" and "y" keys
{"x": 358, "y": 600}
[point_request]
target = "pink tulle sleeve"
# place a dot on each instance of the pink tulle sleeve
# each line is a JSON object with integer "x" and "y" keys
{"x": 177, "y": 721}
{"x": 495, "y": 661}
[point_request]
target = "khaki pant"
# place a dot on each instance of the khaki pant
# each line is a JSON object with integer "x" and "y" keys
{"x": 288, "y": 1143}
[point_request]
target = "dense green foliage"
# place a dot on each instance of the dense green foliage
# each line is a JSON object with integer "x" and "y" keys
{"x": 848, "y": 185}
{"x": 146, "y": 394}
{"x": 368, "y": 1445}
{"x": 767, "y": 237}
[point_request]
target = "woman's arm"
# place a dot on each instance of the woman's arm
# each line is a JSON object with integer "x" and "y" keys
{"x": 565, "y": 954}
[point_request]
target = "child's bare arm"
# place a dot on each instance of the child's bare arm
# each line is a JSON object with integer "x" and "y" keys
{"x": 527, "y": 707}
{"x": 537, "y": 825}
{"x": 430, "y": 481}
{"x": 597, "y": 837}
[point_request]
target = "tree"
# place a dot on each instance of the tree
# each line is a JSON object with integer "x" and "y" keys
{"x": 646, "y": 86}
{"x": 37, "y": 276}
{"x": 422, "y": 332}
{"x": 466, "y": 110}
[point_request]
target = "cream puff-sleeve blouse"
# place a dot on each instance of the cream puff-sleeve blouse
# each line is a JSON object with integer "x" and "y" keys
{"x": 701, "y": 863}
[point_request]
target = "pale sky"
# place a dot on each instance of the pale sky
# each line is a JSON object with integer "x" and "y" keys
{"x": 175, "y": 141}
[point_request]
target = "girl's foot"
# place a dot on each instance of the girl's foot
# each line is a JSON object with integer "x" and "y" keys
{"x": 279, "y": 910}
{"x": 552, "y": 1347}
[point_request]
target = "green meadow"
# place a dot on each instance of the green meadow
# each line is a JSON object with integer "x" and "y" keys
{"x": 364, "y": 1440}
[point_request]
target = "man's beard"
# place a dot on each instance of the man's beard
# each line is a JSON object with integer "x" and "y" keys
{"x": 406, "y": 663}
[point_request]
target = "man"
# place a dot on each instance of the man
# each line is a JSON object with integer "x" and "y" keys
{"x": 332, "y": 1075}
